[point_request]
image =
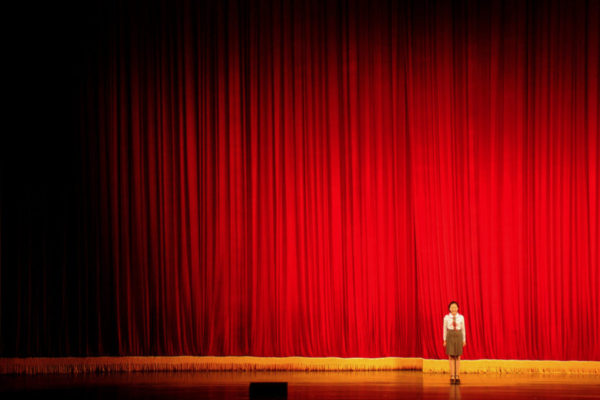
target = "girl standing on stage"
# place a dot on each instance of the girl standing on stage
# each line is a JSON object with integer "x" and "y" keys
{"x": 454, "y": 339}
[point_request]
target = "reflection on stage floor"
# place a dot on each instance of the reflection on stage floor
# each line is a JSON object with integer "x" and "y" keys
{"x": 301, "y": 385}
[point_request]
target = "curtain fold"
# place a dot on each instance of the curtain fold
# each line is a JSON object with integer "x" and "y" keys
{"x": 321, "y": 179}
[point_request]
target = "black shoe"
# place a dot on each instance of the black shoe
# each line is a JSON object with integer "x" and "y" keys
{"x": 457, "y": 380}
{"x": 452, "y": 381}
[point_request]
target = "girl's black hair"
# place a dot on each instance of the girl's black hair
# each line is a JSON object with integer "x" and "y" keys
{"x": 453, "y": 302}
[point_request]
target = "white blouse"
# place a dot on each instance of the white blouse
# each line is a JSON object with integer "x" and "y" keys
{"x": 460, "y": 325}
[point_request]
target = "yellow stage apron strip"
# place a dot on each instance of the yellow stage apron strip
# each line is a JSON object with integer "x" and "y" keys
{"x": 514, "y": 366}
{"x": 75, "y": 365}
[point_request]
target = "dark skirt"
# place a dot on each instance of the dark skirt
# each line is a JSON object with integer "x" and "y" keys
{"x": 454, "y": 340}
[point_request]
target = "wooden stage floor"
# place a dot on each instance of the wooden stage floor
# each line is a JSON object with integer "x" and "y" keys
{"x": 301, "y": 385}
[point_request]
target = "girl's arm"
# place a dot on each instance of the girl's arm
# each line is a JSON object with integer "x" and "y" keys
{"x": 445, "y": 329}
{"x": 464, "y": 332}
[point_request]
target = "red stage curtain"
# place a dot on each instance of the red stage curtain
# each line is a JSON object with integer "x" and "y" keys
{"x": 322, "y": 178}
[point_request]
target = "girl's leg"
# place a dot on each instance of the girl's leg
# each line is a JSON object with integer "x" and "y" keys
{"x": 451, "y": 366}
{"x": 457, "y": 368}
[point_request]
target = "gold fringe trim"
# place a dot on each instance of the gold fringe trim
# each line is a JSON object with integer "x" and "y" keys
{"x": 82, "y": 365}
{"x": 68, "y": 365}
{"x": 514, "y": 367}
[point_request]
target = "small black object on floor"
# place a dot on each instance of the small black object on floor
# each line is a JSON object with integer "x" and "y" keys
{"x": 268, "y": 389}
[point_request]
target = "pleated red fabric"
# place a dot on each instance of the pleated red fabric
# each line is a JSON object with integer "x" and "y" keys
{"x": 321, "y": 178}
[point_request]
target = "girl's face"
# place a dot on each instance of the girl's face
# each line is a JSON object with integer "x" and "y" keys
{"x": 453, "y": 308}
